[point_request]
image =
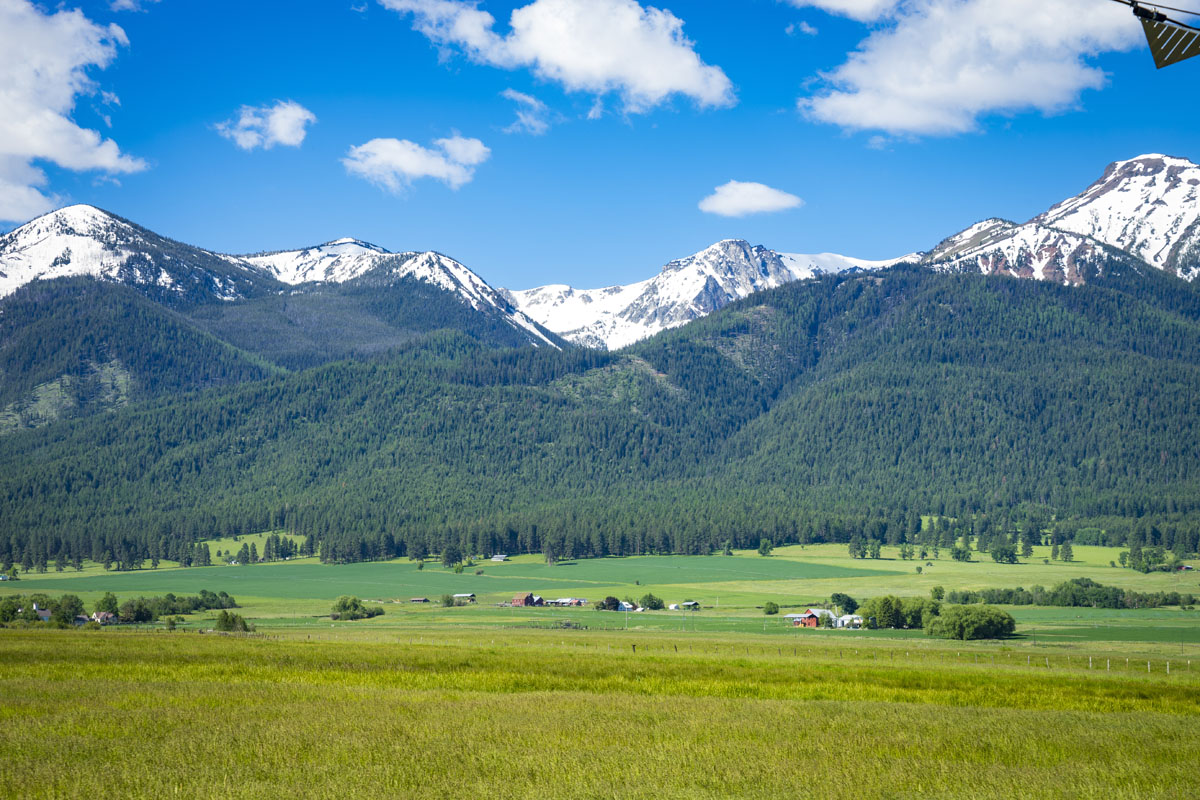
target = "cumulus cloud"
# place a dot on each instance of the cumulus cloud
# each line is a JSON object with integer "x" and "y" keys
{"x": 937, "y": 66}
{"x": 594, "y": 46}
{"x": 741, "y": 199}
{"x": 395, "y": 163}
{"x": 532, "y": 114}
{"x": 284, "y": 123}
{"x": 44, "y": 62}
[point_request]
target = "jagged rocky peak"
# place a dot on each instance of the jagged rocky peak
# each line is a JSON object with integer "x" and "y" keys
{"x": 1148, "y": 206}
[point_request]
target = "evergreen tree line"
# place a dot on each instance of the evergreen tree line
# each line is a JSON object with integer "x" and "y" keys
{"x": 850, "y": 407}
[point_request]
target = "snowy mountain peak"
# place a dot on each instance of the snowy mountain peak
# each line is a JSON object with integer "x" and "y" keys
{"x": 1148, "y": 206}
{"x": 335, "y": 262}
{"x": 82, "y": 240}
{"x": 685, "y": 289}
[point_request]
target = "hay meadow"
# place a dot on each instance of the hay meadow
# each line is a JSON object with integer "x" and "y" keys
{"x": 489, "y": 701}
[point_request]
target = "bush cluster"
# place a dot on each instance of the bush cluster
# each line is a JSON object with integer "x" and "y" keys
{"x": 351, "y": 608}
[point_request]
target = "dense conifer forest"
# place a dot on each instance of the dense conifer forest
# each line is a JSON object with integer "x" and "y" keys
{"x": 844, "y": 407}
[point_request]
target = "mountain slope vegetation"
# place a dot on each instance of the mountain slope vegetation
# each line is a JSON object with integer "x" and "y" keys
{"x": 843, "y": 406}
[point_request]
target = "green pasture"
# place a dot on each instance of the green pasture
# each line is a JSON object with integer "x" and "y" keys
{"x": 526, "y": 713}
{"x": 297, "y": 594}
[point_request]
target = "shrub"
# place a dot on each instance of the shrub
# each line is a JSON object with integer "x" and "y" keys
{"x": 351, "y": 608}
{"x": 971, "y": 622}
{"x": 770, "y": 608}
{"x": 232, "y": 623}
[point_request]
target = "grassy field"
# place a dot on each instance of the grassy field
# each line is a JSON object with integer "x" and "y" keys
{"x": 792, "y": 577}
{"x": 570, "y": 714}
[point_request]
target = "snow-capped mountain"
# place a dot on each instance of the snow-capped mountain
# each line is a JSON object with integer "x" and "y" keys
{"x": 351, "y": 261}
{"x": 1000, "y": 247}
{"x": 337, "y": 262}
{"x": 82, "y": 240}
{"x": 685, "y": 289}
{"x": 1148, "y": 206}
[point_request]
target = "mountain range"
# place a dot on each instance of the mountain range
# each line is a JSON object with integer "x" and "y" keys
{"x": 72, "y": 282}
{"x": 1147, "y": 207}
{"x": 386, "y": 404}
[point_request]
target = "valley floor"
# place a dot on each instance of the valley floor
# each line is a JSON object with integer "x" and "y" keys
{"x": 522, "y": 713}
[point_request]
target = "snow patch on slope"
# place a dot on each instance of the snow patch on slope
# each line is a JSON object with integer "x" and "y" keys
{"x": 1148, "y": 206}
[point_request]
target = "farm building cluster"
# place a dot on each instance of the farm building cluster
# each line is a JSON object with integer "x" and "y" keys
{"x": 824, "y": 618}
{"x": 529, "y": 599}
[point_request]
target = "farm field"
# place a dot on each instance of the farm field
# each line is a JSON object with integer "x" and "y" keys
{"x": 294, "y": 597}
{"x": 570, "y": 714}
{"x": 792, "y": 576}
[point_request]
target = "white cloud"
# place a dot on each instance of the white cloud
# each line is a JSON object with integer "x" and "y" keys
{"x": 594, "y": 46}
{"x": 129, "y": 5}
{"x": 864, "y": 10}
{"x": 800, "y": 27}
{"x": 396, "y": 163}
{"x": 740, "y": 199}
{"x": 284, "y": 123}
{"x": 44, "y": 61}
{"x": 531, "y": 113}
{"x": 942, "y": 64}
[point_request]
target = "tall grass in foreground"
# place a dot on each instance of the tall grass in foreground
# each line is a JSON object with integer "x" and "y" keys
{"x": 142, "y": 715}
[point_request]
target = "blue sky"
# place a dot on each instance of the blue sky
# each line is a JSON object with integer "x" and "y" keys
{"x": 870, "y": 128}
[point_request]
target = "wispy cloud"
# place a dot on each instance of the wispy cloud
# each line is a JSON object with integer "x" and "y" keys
{"x": 130, "y": 5}
{"x": 532, "y": 114}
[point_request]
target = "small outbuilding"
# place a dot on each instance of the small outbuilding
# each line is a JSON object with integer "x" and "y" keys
{"x": 499, "y": 557}
{"x": 465, "y": 597}
{"x": 419, "y": 600}
{"x": 852, "y": 621}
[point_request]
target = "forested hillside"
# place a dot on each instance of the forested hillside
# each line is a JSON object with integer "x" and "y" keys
{"x": 848, "y": 405}
{"x": 77, "y": 346}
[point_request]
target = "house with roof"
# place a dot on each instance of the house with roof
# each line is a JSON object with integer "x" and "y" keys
{"x": 528, "y": 599}
{"x": 852, "y": 621}
{"x": 418, "y": 600}
{"x": 811, "y": 618}
{"x": 104, "y": 617}
{"x": 499, "y": 557}
{"x": 465, "y": 597}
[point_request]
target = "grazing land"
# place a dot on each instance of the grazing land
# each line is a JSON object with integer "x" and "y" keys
{"x": 572, "y": 714}
{"x": 487, "y": 700}
{"x": 732, "y": 589}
